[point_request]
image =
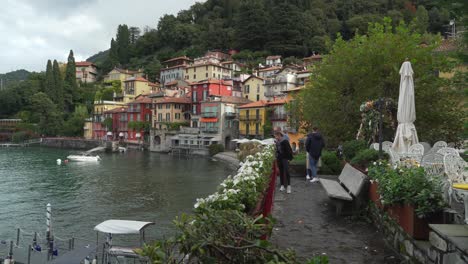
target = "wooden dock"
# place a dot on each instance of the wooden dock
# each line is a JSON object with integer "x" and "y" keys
{"x": 23, "y": 144}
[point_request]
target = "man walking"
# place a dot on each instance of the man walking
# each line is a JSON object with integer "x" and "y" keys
{"x": 314, "y": 146}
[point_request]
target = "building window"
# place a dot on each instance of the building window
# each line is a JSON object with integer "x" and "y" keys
{"x": 138, "y": 117}
{"x": 159, "y": 106}
{"x": 194, "y": 109}
{"x": 194, "y": 97}
{"x": 206, "y": 74}
{"x": 214, "y": 75}
{"x": 168, "y": 106}
{"x": 206, "y": 67}
{"x": 147, "y": 117}
{"x": 258, "y": 97}
{"x": 258, "y": 88}
{"x": 131, "y": 117}
{"x": 205, "y": 95}
{"x": 177, "y": 116}
{"x": 194, "y": 76}
{"x": 195, "y": 69}
{"x": 168, "y": 117}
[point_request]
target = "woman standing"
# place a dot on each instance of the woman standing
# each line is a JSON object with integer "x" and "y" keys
{"x": 283, "y": 156}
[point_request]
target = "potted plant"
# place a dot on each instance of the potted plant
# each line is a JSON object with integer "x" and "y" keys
{"x": 409, "y": 196}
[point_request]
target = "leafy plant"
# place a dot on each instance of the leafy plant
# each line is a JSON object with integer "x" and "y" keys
{"x": 365, "y": 157}
{"x": 353, "y": 147}
{"x": 331, "y": 164}
{"x": 408, "y": 185}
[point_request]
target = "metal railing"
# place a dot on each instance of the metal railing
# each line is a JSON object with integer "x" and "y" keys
{"x": 209, "y": 114}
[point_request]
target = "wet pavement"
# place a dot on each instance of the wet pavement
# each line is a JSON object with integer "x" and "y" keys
{"x": 306, "y": 222}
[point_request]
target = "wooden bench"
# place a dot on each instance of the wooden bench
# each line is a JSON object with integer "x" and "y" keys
{"x": 348, "y": 187}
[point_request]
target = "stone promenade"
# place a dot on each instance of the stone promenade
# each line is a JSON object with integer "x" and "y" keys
{"x": 306, "y": 222}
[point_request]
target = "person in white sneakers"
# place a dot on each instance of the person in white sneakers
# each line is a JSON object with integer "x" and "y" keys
{"x": 314, "y": 146}
{"x": 283, "y": 156}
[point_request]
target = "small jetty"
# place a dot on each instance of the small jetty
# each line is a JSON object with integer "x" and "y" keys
{"x": 26, "y": 143}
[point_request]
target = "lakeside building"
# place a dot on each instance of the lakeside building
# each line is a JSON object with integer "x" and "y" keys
{"x": 254, "y": 88}
{"x": 268, "y": 72}
{"x": 279, "y": 83}
{"x": 119, "y": 123}
{"x": 139, "y": 111}
{"x": 88, "y": 128}
{"x": 274, "y": 60}
{"x": 135, "y": 86}
{"x": 312, "y": 60}
{"x": 86, "y": 72}
{"x": 121, "y": 75}
{"x": 205, "y": 71}
{"x": 219, "y": 124}
{"x": 200, "y": 91}
{"x": 252, "y": 120}
{"x": 173, "y": 69}
{"x": 100, "y": 107}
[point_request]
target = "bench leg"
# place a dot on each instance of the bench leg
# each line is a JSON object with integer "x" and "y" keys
{"x": 339, "y": 207}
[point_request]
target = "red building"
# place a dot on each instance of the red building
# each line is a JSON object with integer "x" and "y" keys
{"x": 203, "y": 89}
{"x": 139, "y": 110}
{"x": 119, "y": 123}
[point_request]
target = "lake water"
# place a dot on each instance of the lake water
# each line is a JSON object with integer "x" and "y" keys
{"x": 134, "y": 186}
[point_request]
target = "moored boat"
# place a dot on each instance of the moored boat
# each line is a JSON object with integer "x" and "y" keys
{"x": 83, "y": 158}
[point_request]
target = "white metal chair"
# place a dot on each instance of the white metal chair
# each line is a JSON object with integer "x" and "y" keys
{"x": 433, "y": 164}
{"x": 438, "y": 145}
{"x": 455, "y": 168}
{"x": 447, "y": 150}
{"x": 374, "y": 146}
{"x": 427, "y": 147}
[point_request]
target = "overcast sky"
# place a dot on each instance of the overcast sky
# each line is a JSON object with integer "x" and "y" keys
{"x": 33, "y": 31}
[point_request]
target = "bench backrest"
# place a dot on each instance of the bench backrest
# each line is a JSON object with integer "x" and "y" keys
{"x": 352, "y": 179}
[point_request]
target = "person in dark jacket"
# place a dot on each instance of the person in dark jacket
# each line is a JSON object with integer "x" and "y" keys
{"x": 314, "y": 146}
{"x": 283, "y": 156}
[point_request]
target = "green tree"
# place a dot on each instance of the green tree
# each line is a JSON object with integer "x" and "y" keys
{"x": 70, "y": 86}
{"x": 49, "y": 83}
{"x": 366, "y": 68}
{"x": 421, "y": 22}
{"x": 249, "y": 29}
{"x": 45, "y": 114}
{"x": 74, "y": 125}
{"x": 123, "y": 44}
{"x": 57, "y": 97}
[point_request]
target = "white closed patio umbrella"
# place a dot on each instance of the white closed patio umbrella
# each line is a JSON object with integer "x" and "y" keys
{"x": 406, "y": 134}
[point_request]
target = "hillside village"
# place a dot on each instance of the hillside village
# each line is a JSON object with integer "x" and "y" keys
{"x": 197, "y": 102}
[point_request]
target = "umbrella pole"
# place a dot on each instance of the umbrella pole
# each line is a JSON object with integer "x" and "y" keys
{"x": 380, "y": 128}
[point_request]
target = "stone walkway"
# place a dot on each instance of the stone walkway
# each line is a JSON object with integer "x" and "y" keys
{"x": 306, "y": 223}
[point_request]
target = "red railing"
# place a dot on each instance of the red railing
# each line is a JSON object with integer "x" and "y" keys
{"x": 270, "y": 192}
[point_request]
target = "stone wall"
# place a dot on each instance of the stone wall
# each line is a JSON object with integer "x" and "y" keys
{"x": 438, "y": 250}
{"x": 70, "y": 143}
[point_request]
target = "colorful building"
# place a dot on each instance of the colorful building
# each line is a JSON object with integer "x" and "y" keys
{"x": 170, "y": 110}
{"x": 252, "y": 119}
{"x": 279, "y": 83}
{"x": 274, "y": 60}
{"x": 205, "y": 71}
{"x": 200, "y": 91}
{"x": 268, "y": 72}
{"x": 139, "y": 111}
{"x": 174, "y": 69}
{"x": 98, "y": 129}
{"x": 121, "y": 75}
{"x": 88, "y": 129}
{"x": 86, "y": 72}
{"x": 135, "y": 86}
{"x": 253, "y": 88}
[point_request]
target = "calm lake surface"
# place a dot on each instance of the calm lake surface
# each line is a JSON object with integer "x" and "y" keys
{"x": 133, "y": 186}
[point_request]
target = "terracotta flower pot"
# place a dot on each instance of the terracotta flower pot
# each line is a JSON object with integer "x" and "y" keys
{"x": 416, "y": 227}
{"x": 374, "y": 195}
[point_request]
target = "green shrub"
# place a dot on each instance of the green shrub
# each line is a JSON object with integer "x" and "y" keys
{"x": 365, "y": 157}
{"x": 331, "y": 164}
{"x": 20, "y": 136}
{"x": 351, "y": 148}
{"x": 214, "y": 149}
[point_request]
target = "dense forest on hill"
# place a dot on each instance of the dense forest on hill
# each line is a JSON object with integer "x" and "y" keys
{"x": 284, "y": 27}
{"x": 9, "y": 78}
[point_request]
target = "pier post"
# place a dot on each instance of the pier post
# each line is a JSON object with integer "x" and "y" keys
{"x": 29, "y": 254}
{"x": 17, "y": 237}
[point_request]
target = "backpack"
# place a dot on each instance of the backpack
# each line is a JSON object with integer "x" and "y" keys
{"x": 289, "y": 153}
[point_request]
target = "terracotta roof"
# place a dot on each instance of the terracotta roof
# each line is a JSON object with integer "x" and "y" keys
{"x": 174, "y": 82}
{"x": 173, "y": 67}
{"x": 273, "y": 57}
{"x": 84, "y": 64}
{"x": 253, "y": 76}
{"x": 216, "y": 81}
{"x": 278, "y": 102}
{"x": 153, "y": 84}
{"x": 270, "y": 69}
{"x": 176, "y": 100}
{"x": 116, "y": 110}
{"x": 178, "y": 58}
{"x": 140, "y": 79}
{"x": 294, "y": 89}
{"x": 142, "y": 100}
{"x": 257, "y": 104}
{"x": 446, "y": 45}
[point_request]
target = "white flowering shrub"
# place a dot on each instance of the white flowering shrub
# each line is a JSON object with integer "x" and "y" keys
{"x": 242, "y": 191}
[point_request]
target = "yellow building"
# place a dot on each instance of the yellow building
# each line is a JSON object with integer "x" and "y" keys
{"x": 170, "y": 110}
{"x": 88, "y": 129}
{"x": 135, "y": 86}
{"x": 252, "y": 118}
{"x": 121, "y": 75}
{"x": 204, "y": 71}
{"x": 253, "y": 88}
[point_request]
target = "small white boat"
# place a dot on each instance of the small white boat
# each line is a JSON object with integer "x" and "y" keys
{"x": 83, "y": 158}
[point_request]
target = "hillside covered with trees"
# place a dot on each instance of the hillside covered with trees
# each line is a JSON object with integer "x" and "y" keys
{"x": 284, "y": 27}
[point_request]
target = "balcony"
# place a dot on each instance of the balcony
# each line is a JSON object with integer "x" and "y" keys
{"x": 250, "y": 118}
{"x": 210, "y": 130}
{"x": 209, "y": 114}
{"x": 280, "y": 116}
